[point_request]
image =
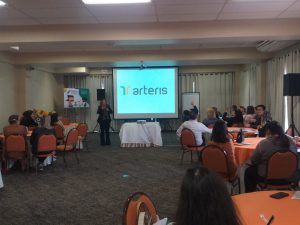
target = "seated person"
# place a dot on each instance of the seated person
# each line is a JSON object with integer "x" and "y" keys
{"x": 276, "y": 141}
{"x": 186, "y": 113}
{"x": 14, "y": 127}
{"x": 220, "y": 138}
{"x": 243, "y": 110}
{"x": 55, "y": 121}
{"x": 195, "y": 126}
{"x": 185, "y": 116}
{"x": 28, "y": 119}
{"x": 211, "y": 118}
{"x": 236, "y": 119}
{"x": 217, "y": 113}
{"x": 250, "y": 116}
{"x": 261, "y": 117}
{"x": 34, "y": 143}
{"x": 204, "y": 199}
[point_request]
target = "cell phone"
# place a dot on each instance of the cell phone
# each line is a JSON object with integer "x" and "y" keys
{"x": 279, "y": 195}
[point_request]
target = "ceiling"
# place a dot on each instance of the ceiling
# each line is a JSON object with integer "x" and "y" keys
{"x": 175, "y": 31}
{"x": 45, "y": 12}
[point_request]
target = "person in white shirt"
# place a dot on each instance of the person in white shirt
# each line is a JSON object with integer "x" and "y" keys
{"x": 195, "y": 126}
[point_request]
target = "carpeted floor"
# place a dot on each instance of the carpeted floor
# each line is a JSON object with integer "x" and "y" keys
{"x": 94, "y": 191}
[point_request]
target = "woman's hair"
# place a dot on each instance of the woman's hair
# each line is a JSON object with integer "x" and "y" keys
{"x": 250, "y": 110}
{"x": 277, "y": 132}
{"x": 219, "y": 132}
{"x": 211, "y": 113}
{"x": 242, "y": 108}
{"x": 54, "y": 119}
{"x": 234, "y": 107}
{"x": 204, "y": 200}
{"x": 238, "y": 116}
{"x": 27, "y": 113}
{"x": 193, "y": 115}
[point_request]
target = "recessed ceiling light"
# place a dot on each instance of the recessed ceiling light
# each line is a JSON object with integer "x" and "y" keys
{"x": 17, "y": 48}
{"x": 2, "y": 3}
{"x": 114, "y": 1}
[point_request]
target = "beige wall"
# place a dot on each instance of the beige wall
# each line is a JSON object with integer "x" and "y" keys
{"x": 8, "y": 93}
{"x": 41, "y": 89}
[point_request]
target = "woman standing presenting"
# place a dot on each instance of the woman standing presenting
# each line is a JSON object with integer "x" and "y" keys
{"x": 104, "y": 120}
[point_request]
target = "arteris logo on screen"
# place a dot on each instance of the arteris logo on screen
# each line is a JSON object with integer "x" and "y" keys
{"x": 127, "y": 90}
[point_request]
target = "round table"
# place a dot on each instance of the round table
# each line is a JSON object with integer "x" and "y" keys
{"x": 243, "y": 152}
{"x": 252, "y": 205}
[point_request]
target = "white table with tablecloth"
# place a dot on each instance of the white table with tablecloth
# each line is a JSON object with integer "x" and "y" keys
{"x": 141, "y": 135}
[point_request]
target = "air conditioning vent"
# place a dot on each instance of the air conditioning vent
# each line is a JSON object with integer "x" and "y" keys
{"x": 273, "y": 46}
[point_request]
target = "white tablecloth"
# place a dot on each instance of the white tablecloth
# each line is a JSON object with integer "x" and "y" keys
{"x": 140, "y": 135}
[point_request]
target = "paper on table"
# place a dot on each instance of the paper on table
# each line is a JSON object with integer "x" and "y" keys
{"x": 296, "y": 195}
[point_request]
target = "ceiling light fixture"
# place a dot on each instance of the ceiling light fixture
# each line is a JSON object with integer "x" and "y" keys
{"x": 17, "y": 48}
{"x": 2, "y": 3}
{"x": 114, "y": 1}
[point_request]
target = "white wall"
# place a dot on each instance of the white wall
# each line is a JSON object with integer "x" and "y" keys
{"x": 7, "y": 93}
{"x": 40, "y": 90}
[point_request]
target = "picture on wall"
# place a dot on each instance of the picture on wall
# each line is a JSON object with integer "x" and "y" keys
{"x": 76, "y": 98}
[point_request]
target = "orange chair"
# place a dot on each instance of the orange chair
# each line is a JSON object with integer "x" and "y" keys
{"x": 216, "y": 159}
{"x": 281, "y": 166}
{"x": 70, "y": 144}
{"x": 46, "y": 147}
{"x": 82, "y": 132}
{"x": 188, "y": 143}
{"x": 59, "y": 133}
{"x": 16, "y": 149}
{"x": 130, "y": 213}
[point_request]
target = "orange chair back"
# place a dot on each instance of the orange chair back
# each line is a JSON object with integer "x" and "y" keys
{"x": 215, "y": 159}
{"x": 59, "y": 132}
{"x": 187, "y": 138}
{"x": 82, "y": 129}
{"x": 282, "y": 165}
{"x": 46, "y": 143}
{"x": 65, "y": 121}
{"x": 130, "y": 216}
{"x": 15, "y": 143}
{"x": 72, "y": 137}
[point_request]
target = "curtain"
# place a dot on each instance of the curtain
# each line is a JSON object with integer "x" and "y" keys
{"x": 249, "y": 93}
{"x": 216, "y": 89}
{"x": 276, "y": 102}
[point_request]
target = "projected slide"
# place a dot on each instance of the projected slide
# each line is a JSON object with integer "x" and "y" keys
{"x": 145, "y": 93}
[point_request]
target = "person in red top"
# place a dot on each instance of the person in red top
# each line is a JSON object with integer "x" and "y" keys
{"x": 220, "y": 138}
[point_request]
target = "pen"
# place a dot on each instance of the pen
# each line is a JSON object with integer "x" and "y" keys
{"x": 271, "y": 219}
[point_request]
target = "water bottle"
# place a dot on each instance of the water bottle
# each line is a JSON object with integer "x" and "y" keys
{"x": 240, "y": 137}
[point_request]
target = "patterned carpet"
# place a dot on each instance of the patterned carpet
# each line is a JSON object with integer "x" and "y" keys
{"x": 94, "y": 191}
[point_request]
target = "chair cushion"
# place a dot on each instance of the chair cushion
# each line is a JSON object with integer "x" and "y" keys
{"x": 63, "y": 148}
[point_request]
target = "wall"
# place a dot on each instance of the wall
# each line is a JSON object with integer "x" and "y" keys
{"x": 7, "y": 94}
{"x": 42, "y": 89}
